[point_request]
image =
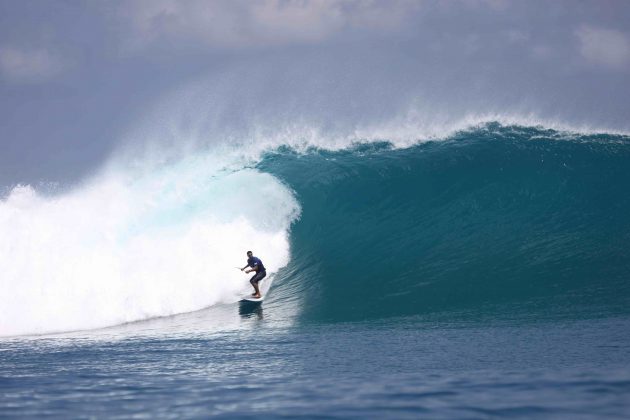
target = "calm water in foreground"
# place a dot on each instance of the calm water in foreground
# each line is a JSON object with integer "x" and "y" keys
{"x": 254, "y": 364}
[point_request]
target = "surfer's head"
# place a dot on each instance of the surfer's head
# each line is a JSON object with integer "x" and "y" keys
{"x": 250, "y": 253}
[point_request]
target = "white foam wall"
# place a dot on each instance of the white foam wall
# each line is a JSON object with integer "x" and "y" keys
{"x": 130, "y": 246}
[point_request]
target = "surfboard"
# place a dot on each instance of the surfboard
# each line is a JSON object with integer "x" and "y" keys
{"x": 253, "y": 299}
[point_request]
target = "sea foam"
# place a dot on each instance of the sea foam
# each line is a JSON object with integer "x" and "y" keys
{"x": 131, "y": 245}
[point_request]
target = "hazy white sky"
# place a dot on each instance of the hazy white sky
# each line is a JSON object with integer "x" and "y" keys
{"x": 77, "y": 76}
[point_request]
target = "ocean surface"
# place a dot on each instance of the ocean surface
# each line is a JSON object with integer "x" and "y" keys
{"x": 482, "y": 274}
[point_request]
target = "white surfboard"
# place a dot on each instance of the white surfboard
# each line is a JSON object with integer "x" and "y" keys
{"x": 252, "y": 299}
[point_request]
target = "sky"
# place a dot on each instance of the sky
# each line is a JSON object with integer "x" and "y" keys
{"x": 81, "y": 79}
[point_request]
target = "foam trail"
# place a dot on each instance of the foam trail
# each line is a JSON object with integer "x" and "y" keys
{"x": 130, "y": 246}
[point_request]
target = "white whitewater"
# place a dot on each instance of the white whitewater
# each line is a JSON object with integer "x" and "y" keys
{"x": 132, "y": 245}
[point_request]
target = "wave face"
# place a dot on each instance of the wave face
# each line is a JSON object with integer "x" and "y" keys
{"x": 493, "y": 220}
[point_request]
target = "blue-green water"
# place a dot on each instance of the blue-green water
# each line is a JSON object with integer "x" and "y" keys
{"x": 485, "y": 275}
{"x": 497, "y": 221}
{"x": 403, "y": 368}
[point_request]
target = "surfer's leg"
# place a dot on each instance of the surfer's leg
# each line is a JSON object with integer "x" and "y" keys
{"x": 254, "y": 281}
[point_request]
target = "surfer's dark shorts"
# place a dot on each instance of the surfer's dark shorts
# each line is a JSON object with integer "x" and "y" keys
{"x": 258, "y": 277}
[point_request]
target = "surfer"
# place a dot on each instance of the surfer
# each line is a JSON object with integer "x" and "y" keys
{"x": 256, "y": 265}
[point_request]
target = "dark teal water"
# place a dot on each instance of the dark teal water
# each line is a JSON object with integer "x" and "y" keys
{"x": 482, "y": 276}
{"x": 495, "y": 221}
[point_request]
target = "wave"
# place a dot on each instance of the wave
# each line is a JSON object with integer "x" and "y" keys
{"x": 492, "y": 214}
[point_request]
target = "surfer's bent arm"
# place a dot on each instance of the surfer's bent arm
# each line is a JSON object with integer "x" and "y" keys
{"x": 253, "y": 268}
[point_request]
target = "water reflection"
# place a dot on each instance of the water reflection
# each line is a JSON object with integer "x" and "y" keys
{"x": 248, "y": 309}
